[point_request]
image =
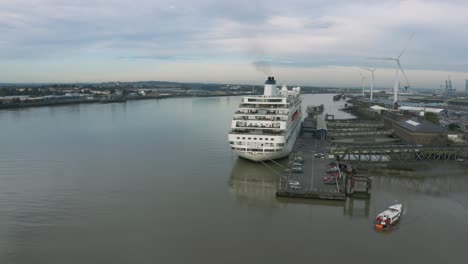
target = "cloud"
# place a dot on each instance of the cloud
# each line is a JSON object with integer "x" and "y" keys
{"x": 288, "y": 34}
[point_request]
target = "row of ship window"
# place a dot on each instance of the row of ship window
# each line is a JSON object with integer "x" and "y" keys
{"x": 262, "y": 118}
{"x": 257, "y": 150}
{"x": 265, "y": 100}
{"x": 264, "y": 106}
{"x": 260, "y": 112}
{"x": 239, "y": 124}
{"x": 263, "y": 144}
{"x": 256, "y": 138}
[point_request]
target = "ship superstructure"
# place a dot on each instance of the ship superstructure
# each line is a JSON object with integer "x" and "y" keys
{"x": 266, "y": 126}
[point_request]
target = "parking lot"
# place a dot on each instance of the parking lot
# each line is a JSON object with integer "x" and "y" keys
{"x": 314, "y": 165}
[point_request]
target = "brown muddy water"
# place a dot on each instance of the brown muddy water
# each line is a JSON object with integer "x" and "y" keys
{"x": 155, "y": 181}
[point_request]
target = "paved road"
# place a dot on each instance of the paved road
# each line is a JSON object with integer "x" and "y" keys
{"x": 314, "y": 168}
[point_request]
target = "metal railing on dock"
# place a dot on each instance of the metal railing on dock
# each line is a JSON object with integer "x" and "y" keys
{"x": 400, "y": 153}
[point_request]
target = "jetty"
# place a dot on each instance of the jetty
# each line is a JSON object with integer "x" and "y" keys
{"x": 315, "y": 172}
{"x": 309, "y": 182}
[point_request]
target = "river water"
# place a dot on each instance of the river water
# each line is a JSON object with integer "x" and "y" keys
{"x": 155, "y": 181}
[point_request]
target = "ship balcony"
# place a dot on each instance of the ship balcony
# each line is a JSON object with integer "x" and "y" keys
{"x": 261, "y": 112}
{"x": 259, "y": 118}
{"x": 267, "y": 100}
{"x": 260, "y": 132}
{"x": 264, "y": 106}
{"x": 259, "y": 125}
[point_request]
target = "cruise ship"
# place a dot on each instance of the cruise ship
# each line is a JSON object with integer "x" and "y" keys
{"x": 265, "y": 127}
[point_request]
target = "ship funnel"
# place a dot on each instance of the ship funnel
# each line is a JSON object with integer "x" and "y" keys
{"x": 270, "y": 87}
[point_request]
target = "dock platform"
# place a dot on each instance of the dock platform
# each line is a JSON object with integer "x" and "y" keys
{"x": 310, "y": 181}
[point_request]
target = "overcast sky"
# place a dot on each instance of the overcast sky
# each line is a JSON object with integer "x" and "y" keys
{"x": 306, "y": 42}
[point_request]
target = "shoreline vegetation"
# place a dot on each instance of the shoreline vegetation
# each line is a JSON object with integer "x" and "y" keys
{"x": 106, "y": 100}
{"x": 13, "y": 96}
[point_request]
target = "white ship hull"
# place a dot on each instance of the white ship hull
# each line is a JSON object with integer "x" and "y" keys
{"x": 265, "y": 127}
{"x": 264, "y": 156}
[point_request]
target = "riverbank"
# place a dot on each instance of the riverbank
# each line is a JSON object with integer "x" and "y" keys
{"x": 359, "y": 109}
{"x": 119, "y": 99}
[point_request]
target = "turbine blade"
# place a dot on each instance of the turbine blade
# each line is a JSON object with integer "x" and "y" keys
{"x": 403, "y": 72}
{"x": 369, "y": 69}
{"x": 407, "y": 44}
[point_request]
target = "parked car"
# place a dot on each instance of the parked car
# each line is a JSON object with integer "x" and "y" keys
{"x": 297, "y": 169}
{"x": 319, "y": 155}
{"x": 299, "y": 160}
{"x": 330, "y": 182}
{"x": 294, "y": 185}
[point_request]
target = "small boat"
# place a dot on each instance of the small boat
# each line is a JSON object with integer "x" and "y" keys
{"x": 389, "y": 217}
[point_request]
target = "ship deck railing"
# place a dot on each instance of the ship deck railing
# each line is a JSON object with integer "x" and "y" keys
{"x": 259, "y": 119}
{"x": 259, "y": 132}
{"x": 260, "y": 114}
{"x": 239, "y": 126}
{"x": 257, "y": 107}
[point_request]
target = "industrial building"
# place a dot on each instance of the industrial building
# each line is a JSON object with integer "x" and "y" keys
{"x": 448, "y": 86}
{"x": 420, "y": 132}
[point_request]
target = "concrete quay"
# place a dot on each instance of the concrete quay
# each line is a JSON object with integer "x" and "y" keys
{"x": 311, "y": 184}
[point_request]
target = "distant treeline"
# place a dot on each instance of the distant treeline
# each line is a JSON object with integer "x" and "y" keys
{"x": 55, "y": 89}
{"x": 33, "y": 92}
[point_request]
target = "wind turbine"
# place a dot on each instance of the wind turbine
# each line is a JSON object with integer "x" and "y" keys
{"x": 372, "y": 81}
{"x": 363, "y": 78}
{"x": 398, "y": 68}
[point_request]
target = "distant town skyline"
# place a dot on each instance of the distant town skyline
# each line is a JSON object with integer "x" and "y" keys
{"x": 317, "y": 43}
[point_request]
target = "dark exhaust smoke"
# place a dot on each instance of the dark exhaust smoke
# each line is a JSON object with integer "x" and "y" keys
{"x": 263, "y": 66}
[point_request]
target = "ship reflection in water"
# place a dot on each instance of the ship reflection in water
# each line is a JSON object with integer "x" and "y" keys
{"x": 254, "y": 184}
